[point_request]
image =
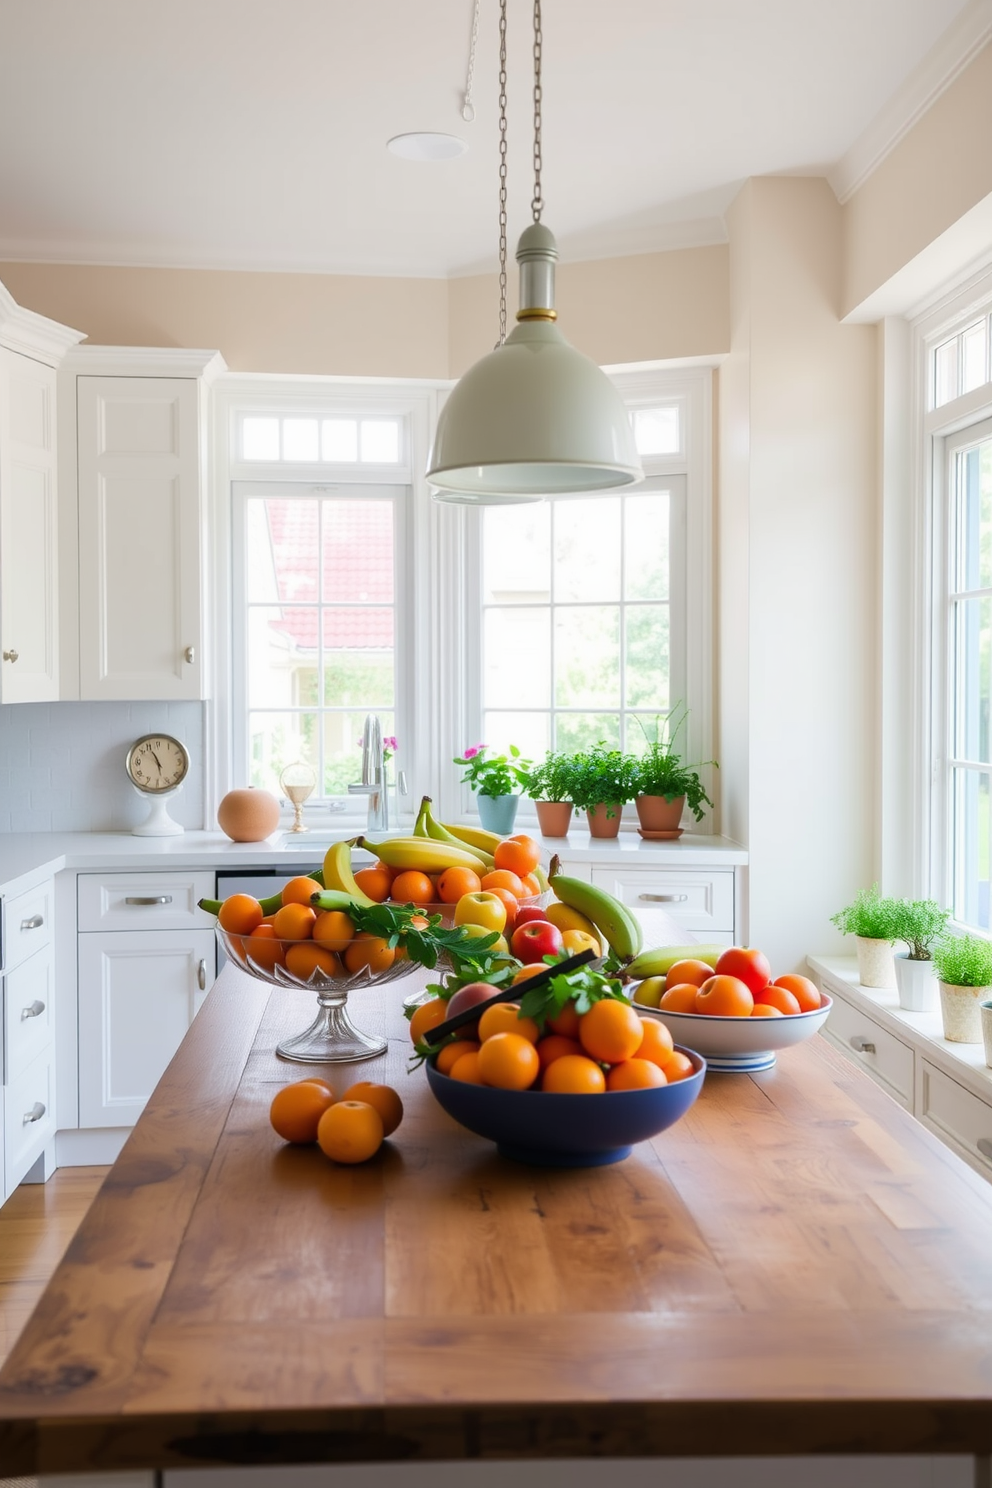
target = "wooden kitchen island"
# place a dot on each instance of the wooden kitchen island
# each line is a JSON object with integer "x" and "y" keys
{"x": 797, "y": 1267}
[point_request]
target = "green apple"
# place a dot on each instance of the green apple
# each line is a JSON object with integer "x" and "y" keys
{"x": 481, "y": 908}
{"x": 476, "y": 932}
{"x": 648, "y": 993}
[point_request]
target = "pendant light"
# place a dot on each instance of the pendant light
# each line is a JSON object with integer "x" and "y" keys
{"x": 535, "y": 416}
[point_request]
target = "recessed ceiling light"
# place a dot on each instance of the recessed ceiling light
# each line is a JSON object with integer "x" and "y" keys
{"x": 427, "y": 146}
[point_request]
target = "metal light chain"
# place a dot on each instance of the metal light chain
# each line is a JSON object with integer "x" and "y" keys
{"x": 502, "y": 173}
{"x": 468, "y": 107}
{"x": 537, "y": 204}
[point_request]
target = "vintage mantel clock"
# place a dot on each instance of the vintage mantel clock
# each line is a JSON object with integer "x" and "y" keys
{"x": 157, "y": 765}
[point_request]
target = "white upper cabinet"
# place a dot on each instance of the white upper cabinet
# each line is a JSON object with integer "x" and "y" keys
{"x": 30, "y": 349}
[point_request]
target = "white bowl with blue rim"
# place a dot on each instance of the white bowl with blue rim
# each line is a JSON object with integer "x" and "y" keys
{"x": 740, "y": 1045}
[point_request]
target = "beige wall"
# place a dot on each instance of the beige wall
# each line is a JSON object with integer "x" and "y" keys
{"x": 938, "y": 172}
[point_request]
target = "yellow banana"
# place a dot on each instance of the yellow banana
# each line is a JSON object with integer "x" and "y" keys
{"x": 613, "y": 920}
{"x": 338, "y": 873}
{"x": 441, "y": 834}
{"x": 475, "y": 837}
{"x": 423, "y": 853}
{"x": 659, "y": 962}
{"x": 567, "y": 918}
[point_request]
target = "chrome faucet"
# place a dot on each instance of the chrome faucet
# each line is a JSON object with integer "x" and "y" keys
{"x": 373, "y": 782}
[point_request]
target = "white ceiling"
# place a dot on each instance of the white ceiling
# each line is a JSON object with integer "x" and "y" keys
{"x": 252, "y": 133}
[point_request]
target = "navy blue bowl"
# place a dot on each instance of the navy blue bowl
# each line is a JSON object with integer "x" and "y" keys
{"x": 566, "y": 1131}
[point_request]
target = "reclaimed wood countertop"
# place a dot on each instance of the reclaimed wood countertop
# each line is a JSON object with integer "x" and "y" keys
{"x": 797, "y": 1266}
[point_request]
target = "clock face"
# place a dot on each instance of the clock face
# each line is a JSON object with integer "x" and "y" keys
{"x": 157, "y": 763}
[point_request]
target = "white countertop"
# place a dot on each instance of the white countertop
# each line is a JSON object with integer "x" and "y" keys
{"x": 28, "y": 857}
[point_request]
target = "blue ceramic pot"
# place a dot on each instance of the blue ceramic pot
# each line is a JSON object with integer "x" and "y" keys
{"x": 497, "y": 813}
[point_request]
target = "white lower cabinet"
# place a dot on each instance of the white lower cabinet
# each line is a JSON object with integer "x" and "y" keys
{"x": 959, "y": 1117}
{"x": 889, "y": 1059}
{"x": 699, "y": 900}
{"x": 27, "y": 1103}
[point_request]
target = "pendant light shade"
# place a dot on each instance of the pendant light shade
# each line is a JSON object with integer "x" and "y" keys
{"x": 535, "y": 416}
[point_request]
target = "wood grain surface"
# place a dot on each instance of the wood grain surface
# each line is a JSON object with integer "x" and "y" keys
{"x": 797, "y": 1266}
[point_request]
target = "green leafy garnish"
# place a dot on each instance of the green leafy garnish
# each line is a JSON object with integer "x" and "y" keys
{"x": 583, "y": 987}
{"x": 394, "y": 923}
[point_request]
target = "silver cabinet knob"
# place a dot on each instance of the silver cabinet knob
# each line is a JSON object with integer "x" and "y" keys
{"x": 34, "y": 1011}
{"x": 34, "y": 923}
{"x": 862, "y": 1045}
{"x": 35, "y": 1114}
{"x": 190, "y": 654}
{"x": 150, "y": 899}
{"x": 201, "y": 976}
{"x": 10, "y": 655}
{"x": 663, "y": 898}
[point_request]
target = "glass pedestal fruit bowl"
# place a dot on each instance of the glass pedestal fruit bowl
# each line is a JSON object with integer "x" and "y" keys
{"x": 744, "y": 1045}
{"x": 332, "y": 1038}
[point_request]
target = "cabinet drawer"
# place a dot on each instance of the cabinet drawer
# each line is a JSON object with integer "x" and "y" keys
{"x": 143, "y": 901}
{"x": 27, "y": 924}
{"x": 886, "y": 1057}
{"x": 29, "y": 1117}
{"x": 951, "y": 1111}
{"x": 701, "y": 901}
{"x": 28, "y": 1008}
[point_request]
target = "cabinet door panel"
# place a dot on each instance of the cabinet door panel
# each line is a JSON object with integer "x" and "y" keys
{"x": 958, "y": 1116}
{"x": 29, "y": 1007}
{"x": 866, "y": 1042}
{"x": 700, "y": 900}
{"x": 138, "y": 994}
{"x": 28, "y": 1117}
{"x": 139, "y": 538}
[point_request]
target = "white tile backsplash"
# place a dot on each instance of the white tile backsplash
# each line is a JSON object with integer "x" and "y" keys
{"x": 62, "y": 765}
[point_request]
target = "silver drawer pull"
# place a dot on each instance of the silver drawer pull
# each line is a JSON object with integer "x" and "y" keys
{"x": 152, "y": 899}
{"x": 10, "y": 656}
{"x": 35, "y": 1114}
{"x": 862, "y": 1045}
{"x": 201, "y": 976}
{"x": 984, "y": 1146}
{"x": 189, "y": 655}
{"x": 34, "y": 923}
{"x": 34, "y": 1011}
{"x": 663, "y": 898}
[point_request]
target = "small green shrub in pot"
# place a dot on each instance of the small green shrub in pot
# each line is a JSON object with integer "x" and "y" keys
{"x": 662, "y": 774}
{"x": 497, "y": 780}
{"x": 918, "y": 924}
{"x": 603, "y": 781}
{"x": 963, "y": 964}
{"x": 873, "y": 921}
{"x": 549, "y": 786}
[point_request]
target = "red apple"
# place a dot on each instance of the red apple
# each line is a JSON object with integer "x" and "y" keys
{"x": 747, "y": 964}
{"x": 534, "y": 940}
{"x": 528, "y": 912}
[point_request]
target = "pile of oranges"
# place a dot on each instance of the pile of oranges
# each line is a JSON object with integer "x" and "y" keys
{"x": 693, "y": 987}
{"x": 512, "y": 879}
{"x": 608, "y": 1048}
{"x": 349, "y": 1130}
{"x": 300, "y": 938}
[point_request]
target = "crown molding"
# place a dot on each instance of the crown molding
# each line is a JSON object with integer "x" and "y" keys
{"x": 34, "y": 335}
{"x": 145, "y": 361}
{"x": 954, "y": 50}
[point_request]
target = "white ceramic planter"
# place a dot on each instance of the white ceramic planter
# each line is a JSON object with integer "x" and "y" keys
{"x": 960, "y": 1008}
{"x": 916, "y": 984}
{"x": 876, "y": 967}
{"x": 986, "y": 1011}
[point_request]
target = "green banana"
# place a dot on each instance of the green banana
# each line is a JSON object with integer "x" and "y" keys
{"x": 476, "y": 837}
{"x": 334, "y": 899}
{"x": 424, "y": 854}
{"x": 435, "y": 830}
{"x": 338, "y": 873}
{"x": 659, "y": 962}
{"x": 612, "y": 919}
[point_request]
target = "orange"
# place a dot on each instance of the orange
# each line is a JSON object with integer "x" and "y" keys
{"x": 299, "y": 890}
{"x": 556, "y": 1046}
{"x": 781, "y": 998}
{"x": 264, "y": 948}
{"x": 678, "y": 1067}
{"x": 657, "y": 1043}
{"x": 296, "y": 1110}
{"x": 501, "y": 878}
{"x": 505, "y": 1018}
{"x": 532, "y": 886}
{"x": 635, "y": 1074}
{"x": 454, "y": 882}
{"x": 566, "y": 1022}
{"x": 680, "y": 998}
{"x": 333, "y": 929}
{"x": 765, "y": 1010}
{"x": 467, "y": 1069}
{"x": 304, "y": 958}
{"x": 375, "y": 882}
{"x": 294, "y": 922}
{"x": 350, "y": 1131}
{"x": 383, "y": 1098}
{"x": 412, "y": 887}
{"x": 510, "y": 903}
{"x": 527, "y": 971}
{"x": 610, "y": 1031}
{"x": 509, "y": 1061}
{"x": 369, "y": 950}
{"x": 428, "y": 1015}
{"x": 696, "y": 972}
{"x": 451, "y": 1053}
{"x": 520, "y": 854}
{"x": 240, "y": 914}
{"x": 725, "y": 997}
{"x": 573, "y": 1074}
{"x": 806, "y": 993}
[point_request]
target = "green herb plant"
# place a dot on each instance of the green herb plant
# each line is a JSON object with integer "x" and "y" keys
{"x": 551, "y": 779}
{"x": 869, "y": 916}
{"x": 661, "y": 771}
{"x": 918, "y": 923}
{"x": 494, "y": 774}
{"x": 602, "y": 776}
{"x": 963, "y": 961}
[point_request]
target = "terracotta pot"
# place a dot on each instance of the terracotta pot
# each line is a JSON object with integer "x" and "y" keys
{"x": 659, "y": 814}
{"x": 960, "y": 1010}
{"x": 876, "y": 967}
{"x": 554, "y": 817}
{"x": 601, "y": 825}
{"x": 248, "y": 815}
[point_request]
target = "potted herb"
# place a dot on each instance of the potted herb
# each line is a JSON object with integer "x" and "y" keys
{"x": 549, "y": 785}
{"x": 963, "y": 964}
{"x": 918, "y": 923}
{"x": 872, "y": 920}
{"x": 603, "y": 781}
{"x": 666, "y": 784}
{"x": 496, "y": 780}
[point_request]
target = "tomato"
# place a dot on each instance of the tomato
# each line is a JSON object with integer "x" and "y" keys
{"x": 748, "y": 965}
